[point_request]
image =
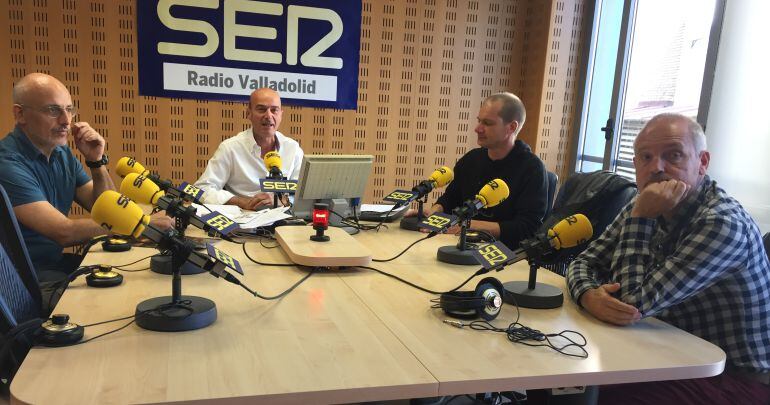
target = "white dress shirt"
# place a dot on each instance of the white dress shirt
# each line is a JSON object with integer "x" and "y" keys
{"x": 237, "y": 166}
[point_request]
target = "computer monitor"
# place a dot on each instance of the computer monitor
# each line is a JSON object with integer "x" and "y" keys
{"x": 333, "y": 179}
{"x": 333, "y": 176}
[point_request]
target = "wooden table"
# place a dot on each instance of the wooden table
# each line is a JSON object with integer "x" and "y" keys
{"x": 342, "y": 336}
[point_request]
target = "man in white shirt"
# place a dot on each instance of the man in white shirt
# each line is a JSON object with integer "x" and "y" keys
{"x": 233, "y": 173}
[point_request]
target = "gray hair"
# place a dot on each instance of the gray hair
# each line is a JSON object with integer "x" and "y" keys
{"x": 512, "y": 110}
{"x": 694, "y": 129}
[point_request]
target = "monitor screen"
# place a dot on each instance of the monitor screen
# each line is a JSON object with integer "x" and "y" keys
{"x": 333, "y": 176}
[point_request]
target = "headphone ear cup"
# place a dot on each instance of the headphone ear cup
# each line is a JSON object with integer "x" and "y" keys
{"x": 490, "y": 290}
{"x": 460, "y": 304}
{"x": 58, "y": 331}
{"x": 104, "y": 277}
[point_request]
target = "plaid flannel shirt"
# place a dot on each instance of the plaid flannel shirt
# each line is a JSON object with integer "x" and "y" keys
{"x": 705, "y": 271}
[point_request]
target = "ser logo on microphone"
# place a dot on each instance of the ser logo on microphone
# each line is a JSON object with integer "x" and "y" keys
{"x": 224, "y": 258}
{"x": 123, "y": 201}
{"x": 399, "y": 196}
{"x": 138, "y": 181}
{"x": 220, "y": 222}
{"x": 492, "y": 254}
{"x": 436, "y": 222}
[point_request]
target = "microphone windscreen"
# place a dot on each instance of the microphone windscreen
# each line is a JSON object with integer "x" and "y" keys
{"x": 141, "y": 189}
{"x": 128, "y": 165}
{"x": 119, "y": 214}
{"x": 570, "y": 231}
{"x": 273, "y": 159}
{"x": 493, "y": 193}
{"x": 442, "y": 176}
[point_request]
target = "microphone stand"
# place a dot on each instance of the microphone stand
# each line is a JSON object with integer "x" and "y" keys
{"x": 176, "y": 312}
{"x": 164, "y": 263}
{"x": 410, "y": 223}
{"x": 530, "y": 293}
{"x": 462, "y": 253}
{"x": 276, "y": 195}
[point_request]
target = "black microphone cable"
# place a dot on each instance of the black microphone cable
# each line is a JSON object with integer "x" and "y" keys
{"x": 409, "y": 283}
{"x": 430, "y": 235}
{"x": 232, "y": 279}
{"x": 243, "y": 246}
{"x": 517, "y": 332}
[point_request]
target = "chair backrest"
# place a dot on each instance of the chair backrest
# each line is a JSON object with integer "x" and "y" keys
{"x": 766, "y": 240}
{"x": 14, "y": 245}
{"x": 553, "y": 180}
{"x": 599, "y": 196}
{"x": 17, "y": 304}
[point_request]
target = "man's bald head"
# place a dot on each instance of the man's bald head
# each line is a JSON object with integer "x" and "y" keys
{"x": 30, "y": 88}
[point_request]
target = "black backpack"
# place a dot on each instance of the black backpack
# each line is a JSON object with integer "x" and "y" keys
{"x": 600, "y": 196}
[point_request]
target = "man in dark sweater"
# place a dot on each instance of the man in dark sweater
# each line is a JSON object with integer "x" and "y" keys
{"x": 502, "y": 156}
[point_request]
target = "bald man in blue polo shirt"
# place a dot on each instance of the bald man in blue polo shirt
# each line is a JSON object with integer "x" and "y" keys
{"x": 42, "y": 176}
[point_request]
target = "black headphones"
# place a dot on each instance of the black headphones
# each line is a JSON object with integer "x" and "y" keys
{"x": 59, "y": 331}
{"x": 484, "y": 302}
{"x": 103, "y": 276}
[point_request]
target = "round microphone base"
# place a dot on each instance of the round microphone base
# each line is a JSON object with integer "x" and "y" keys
{"x": 453, "y": 255}
{"x": 161, "y": 264}
{"x": 410, "y": 224}
{"x": 543, "y": 296}
{"x": 190, "y": 313}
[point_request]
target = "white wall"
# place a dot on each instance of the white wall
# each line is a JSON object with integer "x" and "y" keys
{"x": 738, "y": 127}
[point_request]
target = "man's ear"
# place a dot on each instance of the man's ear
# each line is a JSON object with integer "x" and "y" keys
{"x": 513, "y": 127}
{"x": 705, "y": 158}
{"x": 18, "y": 114}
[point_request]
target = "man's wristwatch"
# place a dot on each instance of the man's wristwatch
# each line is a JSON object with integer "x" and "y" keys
{"x": 99, "y": 163}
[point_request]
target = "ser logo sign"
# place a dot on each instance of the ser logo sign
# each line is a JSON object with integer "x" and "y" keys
{"x": 224, "y": 258}
{"x": 494, "y": 255}
{"x": 219, "y": 222}
{"x": 436, "y": 222}
{"x": 399, "y": 196}
{"x": 279, "y": 186}
{"x": 189, "y": 190}
{"x": 308, "y": 50}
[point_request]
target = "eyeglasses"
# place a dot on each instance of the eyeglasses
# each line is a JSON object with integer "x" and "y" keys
{"x": 53, "y": 110}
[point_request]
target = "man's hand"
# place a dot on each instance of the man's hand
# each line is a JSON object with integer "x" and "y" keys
{"x": 599, "y": 303}
{"x": 659, "y": 198}
{"x": 161, "y": 221}
{"x": 88, "y": 141}
{"x": 253, "y": 203}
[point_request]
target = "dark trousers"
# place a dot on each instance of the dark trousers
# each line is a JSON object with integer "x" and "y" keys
{"x": 721, "y": 389}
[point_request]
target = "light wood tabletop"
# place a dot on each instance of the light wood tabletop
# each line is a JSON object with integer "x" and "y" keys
{"x": 345, "y": 335}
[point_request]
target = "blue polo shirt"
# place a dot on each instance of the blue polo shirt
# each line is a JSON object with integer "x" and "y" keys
{"x": 28, "y": 176}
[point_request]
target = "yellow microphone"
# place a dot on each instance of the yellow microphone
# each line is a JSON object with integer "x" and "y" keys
{"x": 128, "y": 165}
{"x": 141, "y": 189}
{"x": 273, "y": 163}
{"x": 570, "y": 232}
{"x": 493, "y": 193}
{"x": 441, "y": 176}
{"x": 118, "y": 214}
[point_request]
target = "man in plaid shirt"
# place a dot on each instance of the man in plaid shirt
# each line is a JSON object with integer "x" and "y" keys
{"x": 687, "y": 253}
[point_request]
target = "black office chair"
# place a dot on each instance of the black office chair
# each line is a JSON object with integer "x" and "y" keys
{"x": 15, "y": 248}
{"x": 553, "y": 180}
{"x": 599, "y": 196}
{"x": 20, "y": 317}
{"x": 766, "y": 240}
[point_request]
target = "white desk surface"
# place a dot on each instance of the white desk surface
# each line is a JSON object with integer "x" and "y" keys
{"x": 342, "y": 336}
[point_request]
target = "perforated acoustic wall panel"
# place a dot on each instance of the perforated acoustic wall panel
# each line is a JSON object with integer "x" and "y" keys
{"x": 425, "y": 67}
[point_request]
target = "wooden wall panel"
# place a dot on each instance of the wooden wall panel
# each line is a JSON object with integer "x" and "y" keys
{"x": 425, "y": 67}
